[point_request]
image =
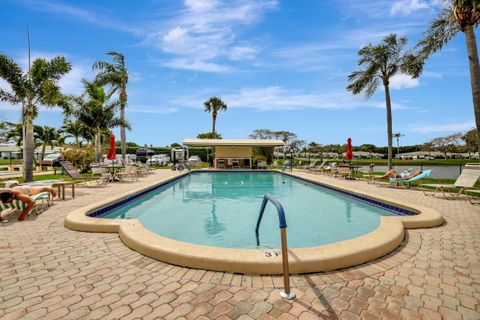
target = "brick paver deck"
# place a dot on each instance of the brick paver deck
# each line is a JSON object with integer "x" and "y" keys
{"x": 50, "y": 272}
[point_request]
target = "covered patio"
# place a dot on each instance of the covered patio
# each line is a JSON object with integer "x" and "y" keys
{"x": 233, "y": 153}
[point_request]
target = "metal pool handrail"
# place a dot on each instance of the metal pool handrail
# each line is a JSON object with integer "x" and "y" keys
{"x": 286, "y": 293}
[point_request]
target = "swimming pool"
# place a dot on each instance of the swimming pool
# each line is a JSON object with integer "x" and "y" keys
{"x": 221, "y": 208}
{"x": 206, "y": 220}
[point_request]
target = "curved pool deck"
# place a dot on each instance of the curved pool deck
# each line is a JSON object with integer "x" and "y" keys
{"x": 383, "y": 240}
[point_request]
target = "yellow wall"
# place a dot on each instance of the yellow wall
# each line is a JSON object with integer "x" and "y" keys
{"x": 229, "y": 152}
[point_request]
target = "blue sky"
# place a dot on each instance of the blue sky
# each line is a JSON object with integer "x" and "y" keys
{"x": 278, "y": 64}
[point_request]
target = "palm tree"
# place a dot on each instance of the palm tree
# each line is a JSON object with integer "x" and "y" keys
{"x": 457, "y": 16}
{"x": 115, "y": 74}
{"x": 214, "y": 105}
{"x": 38, "y": 85}
{"x": 380, "y": 63}
{"x": 74, "y": 129}
{"x": 46, "y": 136}
{"x": 97, "y": 112}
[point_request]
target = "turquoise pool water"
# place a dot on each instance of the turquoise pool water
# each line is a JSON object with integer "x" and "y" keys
{"x": 221, "y": 209}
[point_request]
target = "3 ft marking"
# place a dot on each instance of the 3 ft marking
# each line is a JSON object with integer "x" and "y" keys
{"x": 270, "y": 254}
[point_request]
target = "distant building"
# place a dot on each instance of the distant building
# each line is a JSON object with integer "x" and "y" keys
{"x": 9, "y": 151}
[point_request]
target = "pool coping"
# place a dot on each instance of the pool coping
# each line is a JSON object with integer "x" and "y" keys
{"x": 388, "y": 236}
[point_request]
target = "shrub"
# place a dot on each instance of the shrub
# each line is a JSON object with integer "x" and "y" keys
{"x": 81, "y": 158}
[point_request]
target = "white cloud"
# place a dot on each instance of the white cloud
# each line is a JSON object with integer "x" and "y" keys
{"x": 196, "y": 65}
{"x": 208, "y": 31}
{"x": 450, "y": 127}
{"x": 407, "y": 7}
{"x": 403, "y": 81}
{"x": 277, "y": 98}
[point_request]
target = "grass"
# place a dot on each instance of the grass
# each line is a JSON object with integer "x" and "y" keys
{"x": 383, "y": 162}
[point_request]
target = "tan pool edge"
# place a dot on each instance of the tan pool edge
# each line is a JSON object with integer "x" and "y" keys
{"x": 388, "y": 236}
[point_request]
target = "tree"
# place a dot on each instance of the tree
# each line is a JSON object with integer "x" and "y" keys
{"x": 456, "y": 16}
{"x": 471, "y": 141}
{"x": 115, "y": 74}
{"x": 380, "y": 63}
{"x": 285, "y": 136}
{"x": 175, "y": 145}
{"x": 214, "y": 105}
{"x": 97, "y": 112}
{"x": 34, "y": 87}
{"x": 208, "y": 135}
{"x": 262, "y": 134}
{"x": 46, "y": 136}
{"x": 445, "y": 144}
{"x": 77, "y": 130}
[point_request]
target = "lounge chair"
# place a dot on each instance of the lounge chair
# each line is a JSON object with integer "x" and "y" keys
{"x": 406, "y": 182}
{"x": 310, "y": 166}
{"x": 73, "y": 173}
{"x": 473, "y": 196}
{"x": 318, "y": 168}
{"x": 102, "y": 173}
{"x": 42, "y": 201}
{"x": 368, "y": 174}
{"x": 467, "y": 179}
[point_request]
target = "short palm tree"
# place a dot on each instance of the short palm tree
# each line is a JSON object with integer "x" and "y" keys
{"x": 74, "y": 129}
{"x": 214, "y": 105}
{"x": 38, "y": 85}
{"x": 46, "y": 136}
{"x": 380, "y": 63}
{"x": 456, "y": 16}
{"x": 115, "y": 74}
{"x": 95, "y": 111}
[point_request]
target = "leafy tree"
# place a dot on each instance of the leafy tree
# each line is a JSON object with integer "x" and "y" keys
{"x": 262, "y": 134}
{"x": 380, "y": 63}
{"x": 175, "y": 145}
{"x": 77, "y": 130}
{"x": 95, "y": 111}
{"x": 455, "y": 17}
{"x": 471, "y": 141}
{"x": 446, "y": 144}
{"x": 38, "y": 85}
{"x": 208, "y": 135}
{"x": 214, "y": 105}
{"x": 115, "y": 74}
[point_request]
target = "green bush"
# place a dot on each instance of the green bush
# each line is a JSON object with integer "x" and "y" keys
{"x": 81, "y": 158}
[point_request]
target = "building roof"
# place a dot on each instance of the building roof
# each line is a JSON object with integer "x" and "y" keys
{"x": 232, "y": 142}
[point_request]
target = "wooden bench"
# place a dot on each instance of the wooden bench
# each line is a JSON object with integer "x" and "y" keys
{"x": 15, "y": 164}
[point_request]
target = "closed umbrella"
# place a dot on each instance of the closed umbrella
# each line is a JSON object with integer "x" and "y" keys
{"x": 112, "y": 153}
{"x": 349, "y": 154}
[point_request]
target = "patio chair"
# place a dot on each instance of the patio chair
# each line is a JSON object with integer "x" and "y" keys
{"x": 73, "y": 173}
{"x": 129, "y": 173}
{"x": 102, "y": 173}
{"x": 467, "y": 179}
{"x": 473, "y": 196}
{"x": 42, "y": 201}
{"x": 310, "y": 166}
{"x": 368, "y": 174}
{"x": 344, "y": 171}
{"x": 406, "y": 182}
{"x": 319, "y": 168}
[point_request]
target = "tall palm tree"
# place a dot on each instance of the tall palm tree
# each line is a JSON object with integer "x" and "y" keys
{"x": 214, "y": 105}
{"x": 95, "y": 111}
{"x": 46, "y": 136}
{"x": 380, "y": 63}
{"x": 115, "y": 74}
{"x": 456, "y": 16}
{"x": 38, "y": 85}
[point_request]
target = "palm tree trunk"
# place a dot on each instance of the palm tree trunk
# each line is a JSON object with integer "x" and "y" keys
{"x": 43, "y": 151}
{"x": 29, "y": 146}
{"x": 474, "y": 77}
{"x": 389, "y": 124}
{"x": 98, "y": 146}
{"x": 123, "y": 136}
{"x": 214, "y": 118}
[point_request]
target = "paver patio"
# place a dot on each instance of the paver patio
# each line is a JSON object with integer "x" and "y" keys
{"x": 50, "y": 272}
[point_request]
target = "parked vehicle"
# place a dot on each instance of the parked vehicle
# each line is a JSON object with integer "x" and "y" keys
{"x": 194, "y": 160}
{"x": 143, "y": 154}
{"x": 51, "y": 160}
{"x": 158, "y": 160}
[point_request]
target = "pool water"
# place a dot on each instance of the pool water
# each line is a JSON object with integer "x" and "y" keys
{"x": 221, "y": 209}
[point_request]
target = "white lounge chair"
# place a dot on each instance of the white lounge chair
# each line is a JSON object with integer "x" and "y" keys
{"x": 467, "y": 179}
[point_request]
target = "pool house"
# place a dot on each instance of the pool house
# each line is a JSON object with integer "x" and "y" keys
{"x": 233, "y": 153}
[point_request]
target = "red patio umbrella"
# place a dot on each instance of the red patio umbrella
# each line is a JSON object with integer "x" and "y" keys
{"x": 112, "y": 153}
{"x": 349, "y": 154}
